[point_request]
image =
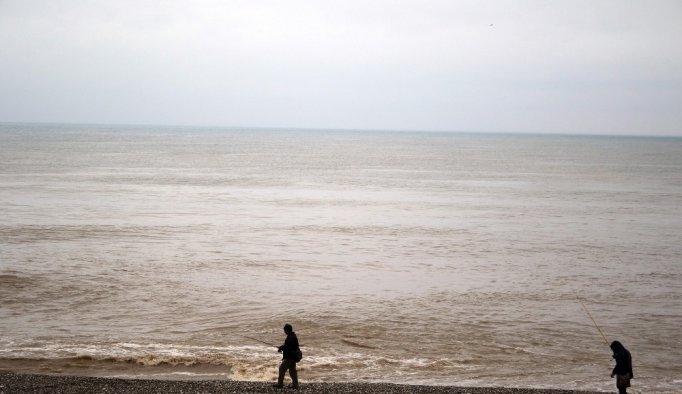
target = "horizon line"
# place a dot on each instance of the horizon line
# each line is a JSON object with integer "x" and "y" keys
{"x": 342, "y": 129}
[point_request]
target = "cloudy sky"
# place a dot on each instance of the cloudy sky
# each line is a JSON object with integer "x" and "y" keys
{"x": 608, "y": 67}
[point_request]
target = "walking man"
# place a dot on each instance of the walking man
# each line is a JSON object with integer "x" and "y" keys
{"x": 290, "y": 356}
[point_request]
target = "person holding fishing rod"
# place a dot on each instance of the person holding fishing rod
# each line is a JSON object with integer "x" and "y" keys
{"x": 623, "y": 369}
{"x": 291, "y": 354}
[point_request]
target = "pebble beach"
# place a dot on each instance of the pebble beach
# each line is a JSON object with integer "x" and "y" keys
{"x": 26, "y": 383}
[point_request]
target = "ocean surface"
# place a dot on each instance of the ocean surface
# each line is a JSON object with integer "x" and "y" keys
{"x": 420, "y": 258}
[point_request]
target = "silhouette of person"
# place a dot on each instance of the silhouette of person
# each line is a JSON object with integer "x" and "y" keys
{"x": 623, "y": 369}
{"x": 289, "y": 352}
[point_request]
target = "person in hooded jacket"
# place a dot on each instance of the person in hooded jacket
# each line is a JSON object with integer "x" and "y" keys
{"x": 289, "y": 351}
{"x": 623, "y": 369}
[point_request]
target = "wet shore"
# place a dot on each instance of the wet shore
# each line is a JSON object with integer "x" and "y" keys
{"x": 24, "y": 383}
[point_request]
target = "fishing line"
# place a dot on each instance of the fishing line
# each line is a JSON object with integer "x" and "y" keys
{"x": 592, "y": 318}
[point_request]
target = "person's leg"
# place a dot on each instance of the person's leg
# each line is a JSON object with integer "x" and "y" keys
{"x": 294, "y": 374}
{"x": 622, "y": 385}
{"x": 282, "y": 371}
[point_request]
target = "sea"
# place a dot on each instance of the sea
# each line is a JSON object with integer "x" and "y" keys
{"x": 461, "y": 259}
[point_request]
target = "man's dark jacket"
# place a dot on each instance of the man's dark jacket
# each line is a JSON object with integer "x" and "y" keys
{"x": 290, "y": 347}
{"x": 623, "y": 363}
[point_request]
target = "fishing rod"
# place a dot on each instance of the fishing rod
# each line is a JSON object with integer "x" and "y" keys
{"x": 263, "y": 342}
{"x": 597, "y": 326}
{"x": 591, "y": 318}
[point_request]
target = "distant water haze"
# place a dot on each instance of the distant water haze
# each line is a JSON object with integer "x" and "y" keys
{"x": 434, "y": 258}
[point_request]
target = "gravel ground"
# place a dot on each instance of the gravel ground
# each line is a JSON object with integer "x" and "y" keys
{"x": 20, "y": 383}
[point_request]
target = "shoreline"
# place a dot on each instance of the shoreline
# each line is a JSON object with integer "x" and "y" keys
{"x": 33, "y": 383}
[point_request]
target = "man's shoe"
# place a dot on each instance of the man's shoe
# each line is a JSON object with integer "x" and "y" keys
{"x": 277, "y": 386}
{"x": 291, "y": 386}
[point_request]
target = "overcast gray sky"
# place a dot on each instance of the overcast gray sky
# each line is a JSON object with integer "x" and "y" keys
{"x": 608, "y": 67}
